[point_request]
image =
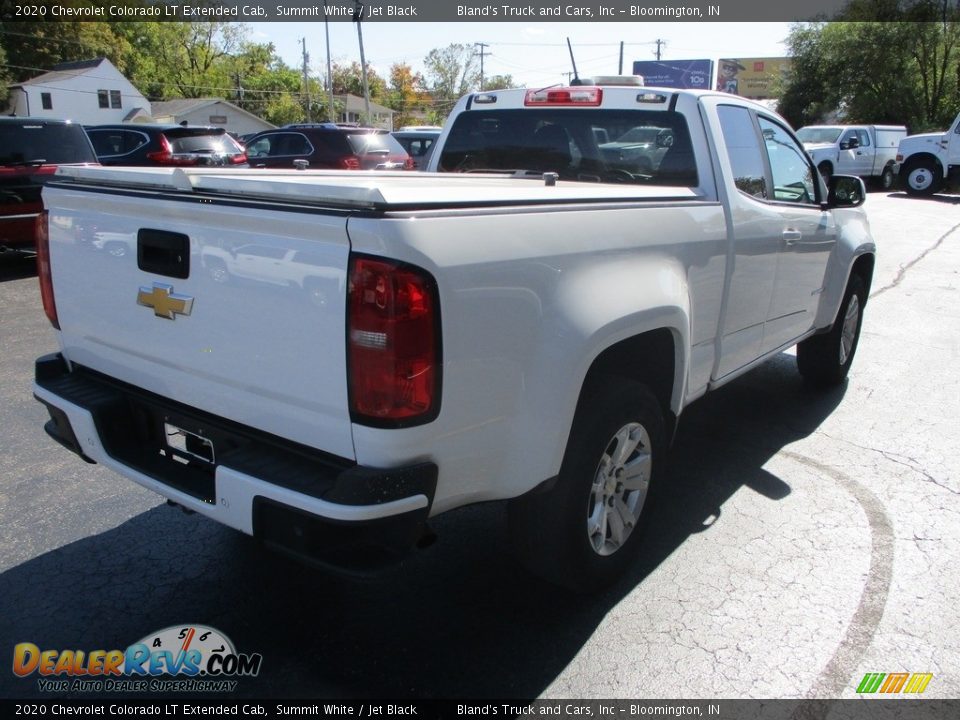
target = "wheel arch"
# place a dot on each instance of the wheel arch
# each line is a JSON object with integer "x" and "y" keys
{"x": 653, "y": 357}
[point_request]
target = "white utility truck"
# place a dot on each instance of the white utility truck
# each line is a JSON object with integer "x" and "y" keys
{"x": 527, "y": 325}
{"x": 868, "y": 151}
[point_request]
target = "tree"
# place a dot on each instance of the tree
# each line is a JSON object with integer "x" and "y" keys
{"x": 35, "y": 47}
{"x": 499, "y": 82}
{"x": 902, "y": 71}
{"x": 451, "y": 72}
{"x": 349, "y": 79}
{"x": 406, "y": 95}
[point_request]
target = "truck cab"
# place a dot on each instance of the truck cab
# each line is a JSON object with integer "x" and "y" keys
{"x": 925, "y": 162}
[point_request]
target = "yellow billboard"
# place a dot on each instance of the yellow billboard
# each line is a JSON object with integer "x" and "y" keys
{"x": 755, "y": 78}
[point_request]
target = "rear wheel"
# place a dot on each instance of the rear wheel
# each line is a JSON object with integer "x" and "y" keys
{"x": 825, "y": 360}
{"x": 887, "y": 178}
{"x": 584, "y": 531}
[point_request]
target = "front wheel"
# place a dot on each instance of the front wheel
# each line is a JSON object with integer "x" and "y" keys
{"x": 824, "y": 360}
{"x": 584, "y": 531}
{"x": 921, "y": 177}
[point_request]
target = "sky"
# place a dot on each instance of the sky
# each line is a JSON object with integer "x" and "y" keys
{"x": 534, "y": 54}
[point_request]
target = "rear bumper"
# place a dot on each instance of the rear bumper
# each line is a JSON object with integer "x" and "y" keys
{"x": 322, "y": 508}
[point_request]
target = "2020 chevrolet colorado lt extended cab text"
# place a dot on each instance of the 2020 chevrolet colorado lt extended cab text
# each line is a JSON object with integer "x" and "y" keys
{"x": 482, "y": 335}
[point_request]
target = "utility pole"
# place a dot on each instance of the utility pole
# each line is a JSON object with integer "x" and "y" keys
{"x": 306, "y": 77}
{"x": 620, "y": 68}
{"x": 331, "y": 113}
{"x": 482, "y": 54}
{"x": 358, "y": 19}
{"x": 659, "y": 43}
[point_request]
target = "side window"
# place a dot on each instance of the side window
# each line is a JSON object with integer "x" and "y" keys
{"x": 864, "y": 138}
{"x": 743, "y": 149}
{"x": 793, "y": 178}
{"x": 103, "y": 99}
{"x": 105, "y": 142}
{"x": 847, "y": 137}
{"x": 260, "y": 148}
{"x": 46, "y": 101}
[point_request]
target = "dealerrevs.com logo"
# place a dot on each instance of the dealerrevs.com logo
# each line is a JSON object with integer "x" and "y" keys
{"x": 188, "y": 658}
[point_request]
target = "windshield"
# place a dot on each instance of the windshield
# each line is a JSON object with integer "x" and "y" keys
{"x": 818, "y": 135}
{"x": 54, "y": 144}
{"x": 587, "y": 145}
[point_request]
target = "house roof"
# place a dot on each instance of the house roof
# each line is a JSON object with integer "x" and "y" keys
{"x": 177, "y": 108}
{"x": 63, "y": 71}
{"x": 354, "y": 104}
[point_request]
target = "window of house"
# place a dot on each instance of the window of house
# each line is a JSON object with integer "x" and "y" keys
{"x": 115, "y": 99}
{"x": 103, "y": 98}
{"x": 46, "y": 101}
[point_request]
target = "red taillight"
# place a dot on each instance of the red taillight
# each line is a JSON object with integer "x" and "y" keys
{"x": 572, "y": 96}
{"x": 408, "y": 164}
{"x": 237, "y": 159}
{"x": 42, "y": 240}
{"x": 393, "y": 343}
{"x": 349, "y": 162}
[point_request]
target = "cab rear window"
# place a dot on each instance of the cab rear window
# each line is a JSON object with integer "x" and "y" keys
{"x": 586, "y": 145}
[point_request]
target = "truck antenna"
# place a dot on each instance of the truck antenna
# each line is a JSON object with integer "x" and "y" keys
{"x": 576, "y": 78}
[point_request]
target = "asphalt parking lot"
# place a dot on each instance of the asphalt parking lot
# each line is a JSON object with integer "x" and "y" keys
{"x": 806, "y": 539}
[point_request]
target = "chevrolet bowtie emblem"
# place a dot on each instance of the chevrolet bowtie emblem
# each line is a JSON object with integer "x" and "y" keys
{"x": 164, "y": 301}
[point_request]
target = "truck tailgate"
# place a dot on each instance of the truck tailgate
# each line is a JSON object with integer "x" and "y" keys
{"x": 249, "y": 326}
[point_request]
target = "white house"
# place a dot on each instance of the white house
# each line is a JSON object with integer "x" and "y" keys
{"x": 209, "y": 111}
{"x": 354, "y": 109}
{"x": 91, "y": 92}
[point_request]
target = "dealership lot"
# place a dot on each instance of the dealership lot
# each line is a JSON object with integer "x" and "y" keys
{"x": 804, "y": 540}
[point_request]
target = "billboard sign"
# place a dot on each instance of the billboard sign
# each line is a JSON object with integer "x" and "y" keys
{"x": 685, "y": 74}
{"x": 755, "y": 78}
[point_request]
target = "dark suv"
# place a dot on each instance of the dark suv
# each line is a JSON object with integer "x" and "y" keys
{"x": 31, "y": 149}
{"x": 182, "y": 145}
{"x": 328, "y": 146}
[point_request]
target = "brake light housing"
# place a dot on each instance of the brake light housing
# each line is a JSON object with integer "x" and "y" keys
{"x": 582, "y": 96}
{"x": 42, "y": 242}
{"x": 393, "y": 343}
{"x": 349, "y": 162}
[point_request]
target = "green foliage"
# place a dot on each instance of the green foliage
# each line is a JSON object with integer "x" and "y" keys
{"x": 900, "y": 71}
{"x": 407, "y": 95}
{"x": 451, "y": 73}
{"x": 349, "y": 79}
{"x": 499, "y": 82}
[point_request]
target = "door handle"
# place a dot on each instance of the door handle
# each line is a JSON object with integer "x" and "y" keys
{"x": 792, "y": 236}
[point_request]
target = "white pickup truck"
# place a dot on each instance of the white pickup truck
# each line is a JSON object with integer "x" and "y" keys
{"x": 528, "y": 331}
{"x": 865, "y": 150}
{"x": 926, "y": 162}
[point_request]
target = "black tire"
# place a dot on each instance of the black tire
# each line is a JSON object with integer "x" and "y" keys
{"x": 550, "y": 530}
{"x": 824, "y": 360}
{"x": 887, "y": 178}
{"x": 826, "y": 171}
{"x": 921, "y": 177}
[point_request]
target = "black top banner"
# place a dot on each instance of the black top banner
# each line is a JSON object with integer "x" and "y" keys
{"x": 434, "y": 10}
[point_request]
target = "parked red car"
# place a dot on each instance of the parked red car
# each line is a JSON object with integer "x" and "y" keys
{"x": 31, "y": 149}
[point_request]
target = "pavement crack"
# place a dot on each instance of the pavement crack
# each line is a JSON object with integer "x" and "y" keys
{"x": 901, "y": 273}
{"x": 896, "y": 458}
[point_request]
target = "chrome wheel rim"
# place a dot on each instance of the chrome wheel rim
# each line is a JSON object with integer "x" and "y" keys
{"x": 619, "y": 490}
{"x": 849, "y": 331}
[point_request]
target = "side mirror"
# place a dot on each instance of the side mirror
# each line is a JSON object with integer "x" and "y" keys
{"x": 845, "y": 191}
{"x": 851, "y": 144}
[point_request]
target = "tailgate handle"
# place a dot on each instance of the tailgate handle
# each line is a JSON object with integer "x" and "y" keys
{"x": 163, "y": 253}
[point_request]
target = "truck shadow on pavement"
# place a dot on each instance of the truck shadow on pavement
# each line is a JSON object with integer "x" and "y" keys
{"x": 14, "y": 266}
{"x": 459, "y": 620}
